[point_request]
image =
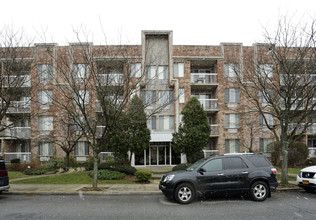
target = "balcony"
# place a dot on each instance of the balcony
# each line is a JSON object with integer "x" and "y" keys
{"x": 209, "y": 105}
{"x": 18, "y": 133}
{"x": 118, "y": 101}
{"x": 297, "y": 104}
{"x": 99, "y": 131}
{"x": 104, "y": 156}
{"x": 289, "y": 79}
{"x": 19, "y": 107}
{"x": 23, "y": 156}
{"x": 111, "y": 79}
{"x": 214, "y": 130}
{"x": 17, "y": 81}
{"x": 204, "y": 80}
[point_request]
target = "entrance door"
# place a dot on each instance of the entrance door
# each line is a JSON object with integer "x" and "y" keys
{"x": 159, "y": 154}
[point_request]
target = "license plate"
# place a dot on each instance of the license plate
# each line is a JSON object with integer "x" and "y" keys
{"x": 305, "y": 182}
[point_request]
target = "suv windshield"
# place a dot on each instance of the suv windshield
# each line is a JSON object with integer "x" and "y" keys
{"x": 2, "y": 165}
{"x": 196, "y": 164}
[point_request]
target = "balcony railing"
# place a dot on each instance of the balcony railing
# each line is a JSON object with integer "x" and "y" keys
{"x": 19, "y": 107}
{"x": 18, "y": 133}
{"x": 17, "y": 81}
{"x": 111, "y": 79}
{"x": 209, "y": 104}
{"x": 23, "y": 156}
{"x": 204, "y": 78}
{"x": 214, "y": 129}
{"x": 99, "y": 131}
{"x": 99, "y": 107}
{"x": 297, "y": 104}
{"x": 104, "y": 155}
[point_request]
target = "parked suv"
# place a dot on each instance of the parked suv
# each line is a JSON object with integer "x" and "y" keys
{"x": 251, "y": 173}
{"x": 4, "y": 178}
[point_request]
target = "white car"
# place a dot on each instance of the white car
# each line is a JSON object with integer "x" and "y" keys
{"x": 306, "y": 179}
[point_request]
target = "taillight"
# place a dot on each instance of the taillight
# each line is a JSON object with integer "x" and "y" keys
{"x": 274, "y": 171}
{"x": 3, "y": 173}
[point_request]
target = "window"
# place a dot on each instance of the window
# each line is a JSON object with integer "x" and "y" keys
{"x": 151, "y": 123}
{"x": 45, "y": 97}
{"x": 232, "y": 121}
{"x": 82, "y": 148}
{"x": 259, "y": 161}
{"x": 181, "y": 95}
{"x": 234, "y": 163}
{"x": 178, "y": 69}
{"x": 165, "y": 97}
{"x": 268, "y": 122}
{"x": 264, "y": 142}
{"x": 162, "y": 74}
{"x": 213, "y": 165}
{"x": 265, "y": 95}
{"x": 136, "y": 69}
{"x": 232, "y": 95}
{"x": 45, "y": 72}
{"x": 265, "y": 71}
{"x": 166, "y": 122}
{"x": 45, "y": 149}
{"x": 230, "y": 71}
{"x": 232, "y": 146}
{"x": 149, "y": 97}
{"x": 45, "y": 123}
{"x": 81, "y": 71}
{"x": 82, "y": 97}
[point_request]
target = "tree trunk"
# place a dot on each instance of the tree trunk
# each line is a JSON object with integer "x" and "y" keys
{"x": 67, "y": 159}
{"x": 95, "y": 170}
{"x": 284, "y": 153}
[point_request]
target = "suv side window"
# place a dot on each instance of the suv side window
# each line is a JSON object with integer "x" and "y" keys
{"x": 213, "y": 165}
{"x": 259, "y": 161}
{"x": 233, "y": 163}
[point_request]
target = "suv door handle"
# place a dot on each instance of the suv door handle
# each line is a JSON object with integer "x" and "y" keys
{"x": 245, "y": 172}
{"x": 220, "y": 174}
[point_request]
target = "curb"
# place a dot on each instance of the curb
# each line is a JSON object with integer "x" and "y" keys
{"x": 81, "y": 193}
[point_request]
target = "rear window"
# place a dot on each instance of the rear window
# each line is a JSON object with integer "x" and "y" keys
{"x": 2, "y": 165}
{"x": 259, "y": 161}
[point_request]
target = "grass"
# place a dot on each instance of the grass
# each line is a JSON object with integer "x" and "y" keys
{"x": 16, "y": 175}
{"x": 71, "y": 178}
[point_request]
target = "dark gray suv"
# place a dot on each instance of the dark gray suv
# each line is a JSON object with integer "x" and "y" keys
{"x": 242, "y": 173}
{"x": 4, "y": 178}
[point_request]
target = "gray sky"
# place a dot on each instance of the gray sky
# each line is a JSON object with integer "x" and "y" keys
{"x": 194, "y": 22}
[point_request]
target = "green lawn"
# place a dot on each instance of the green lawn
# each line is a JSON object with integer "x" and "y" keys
{"x": 15, "y": 175}
{"x": 71, "y": 178}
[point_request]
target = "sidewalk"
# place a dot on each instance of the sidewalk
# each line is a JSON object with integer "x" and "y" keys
{"x": 113, "y": 189}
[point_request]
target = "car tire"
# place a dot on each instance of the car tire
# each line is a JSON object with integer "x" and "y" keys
{"x": 309, "y": 190}
{"x": 184, "y": 193}
{"x": 259, "y": 191}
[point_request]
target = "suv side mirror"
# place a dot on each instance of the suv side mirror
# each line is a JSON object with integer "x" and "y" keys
{"x": 202, "y": 170}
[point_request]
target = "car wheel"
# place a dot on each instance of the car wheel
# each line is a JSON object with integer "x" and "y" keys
{"x": 259, "y": 191}
{"x": 184, "y": 193}
{"x": 309, "y": 190}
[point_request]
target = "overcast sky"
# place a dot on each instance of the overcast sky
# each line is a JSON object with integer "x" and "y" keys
{"x": 194, "y": 22}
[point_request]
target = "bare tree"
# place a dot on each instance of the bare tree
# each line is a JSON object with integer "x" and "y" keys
{"x": 278, "y": 79}
{"x": 94, "y": 88}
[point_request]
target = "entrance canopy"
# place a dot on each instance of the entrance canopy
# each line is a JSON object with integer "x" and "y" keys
{"x": 161, "y": 137}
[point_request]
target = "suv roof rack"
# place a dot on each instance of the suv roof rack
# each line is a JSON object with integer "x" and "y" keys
{"x": 238, "y": 154}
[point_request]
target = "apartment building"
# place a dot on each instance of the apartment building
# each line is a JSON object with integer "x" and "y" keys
{"x": 173, "y": 74}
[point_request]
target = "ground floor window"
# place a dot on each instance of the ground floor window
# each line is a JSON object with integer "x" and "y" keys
{"x": 264, "y": 142}
{"x": 159, "y": 153}
{"x": 312, "y": 147}
{"x": 232, "y": 146}
{"x": 45, "y": 149}
{"x": 82, "y": 148}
